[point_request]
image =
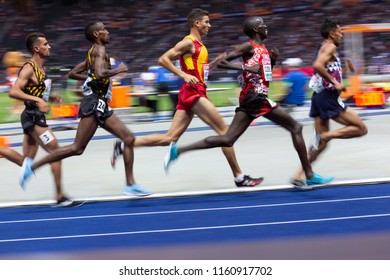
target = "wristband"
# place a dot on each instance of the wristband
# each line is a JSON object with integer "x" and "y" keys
{"x": 243, "y": 67}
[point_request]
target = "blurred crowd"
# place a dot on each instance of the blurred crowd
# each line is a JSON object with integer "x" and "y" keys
{"x": 142, "y": 30}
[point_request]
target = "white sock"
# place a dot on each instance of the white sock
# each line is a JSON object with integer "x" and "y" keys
{"x": 239, "y": 178}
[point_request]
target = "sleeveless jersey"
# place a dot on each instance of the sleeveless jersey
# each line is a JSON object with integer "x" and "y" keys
{"x": 252, "y": 82}
{"x": 197, "y": 63}
{"x": 318, "y": 84}
{"x": 101, "y": 87}
{"x": 42, "y": 89}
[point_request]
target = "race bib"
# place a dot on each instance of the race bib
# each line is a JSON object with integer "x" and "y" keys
{"x": 341, "y": 102}
{"x": 46, "y": 137}
{"x": 86, "y": 89}
{"x": 272, "y": 103}
{"x": 46, "y": 93}
{"x": 316, "y": 83}
{"x": 206, "y": 72}
{"x": 101, "y": 105}
{"x": 109, "y": 92}
{"x": 267, "y": 70}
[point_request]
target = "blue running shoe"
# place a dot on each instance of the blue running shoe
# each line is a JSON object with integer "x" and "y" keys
{"x": 171, "y": 156}
{"x": 26, "y": 172}
{"x": 136, "y": 190}
{"x": 317, "y": 181}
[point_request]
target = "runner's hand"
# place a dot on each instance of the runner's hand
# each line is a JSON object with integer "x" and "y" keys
{"x": 43, "y": 106}
{"x": 191, "y": 80}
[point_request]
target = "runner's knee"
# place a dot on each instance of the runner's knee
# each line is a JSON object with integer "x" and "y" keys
{"x": 168, "y": 139}
{"x": 129, "y": 140}
{"x": 76, "y": 150}
{"x": 297, "y": 128}
{"x": 222, "y": 140}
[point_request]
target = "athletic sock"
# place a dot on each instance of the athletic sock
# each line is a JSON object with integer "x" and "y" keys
{"x": 239, "y": 178}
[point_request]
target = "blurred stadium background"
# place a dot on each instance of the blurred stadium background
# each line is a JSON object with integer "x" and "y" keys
{"x": 141, "y": 31}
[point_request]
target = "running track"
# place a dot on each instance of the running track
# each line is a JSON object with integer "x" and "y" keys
{"x": 335, "y": 222}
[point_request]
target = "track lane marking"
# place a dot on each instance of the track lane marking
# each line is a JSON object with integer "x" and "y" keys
{"x": 195, "y": 210}
{"x": 194, "y": 228}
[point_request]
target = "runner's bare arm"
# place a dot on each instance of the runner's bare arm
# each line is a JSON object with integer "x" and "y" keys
{"x": 183, "y": 47}
{"x": 79, "y": 72}
{"x": 99, "y": 64}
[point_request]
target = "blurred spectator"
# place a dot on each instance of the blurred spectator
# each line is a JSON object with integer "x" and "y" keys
{"x": 167, "y": 83}
{"x": 294, "y": 84}
{"x": 149, "y": 99}
{"x": 141, "y": 33}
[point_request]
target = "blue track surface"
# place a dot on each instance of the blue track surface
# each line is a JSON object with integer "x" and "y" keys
{"x": 146, "y": 223}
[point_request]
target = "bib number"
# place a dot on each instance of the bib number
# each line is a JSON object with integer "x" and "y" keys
{"x": 267, "y": 69}
{"x": 86, "y": 89}
{"x": 46, "y": 94}
{"x": 46, "y": 137}
{"x": 316, "y": 83}
{"x": 206, "y": 72}
{"x": 101, "y": 106}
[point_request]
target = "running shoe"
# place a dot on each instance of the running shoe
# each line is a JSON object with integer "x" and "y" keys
{"x": 315, "y": 141}
{"x": 249, "y": 181}
{"x": 315, "y": 181}
{"x": 300, "y": 185}
{"x": 66, "y": 202}
{"x": 170, "y": 156}
{"x": 26, "y": 172}
{"x": 116, "y": 152}
{"x": 136, "y": 190}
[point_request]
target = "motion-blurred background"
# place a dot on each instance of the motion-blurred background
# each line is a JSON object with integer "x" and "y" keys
{"x": 141, "y": 31}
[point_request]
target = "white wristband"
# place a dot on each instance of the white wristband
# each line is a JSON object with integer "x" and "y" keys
{"x": 243, "y": 67}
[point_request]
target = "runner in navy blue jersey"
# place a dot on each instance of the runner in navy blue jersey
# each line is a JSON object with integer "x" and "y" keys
{"x": 326, "y": 103}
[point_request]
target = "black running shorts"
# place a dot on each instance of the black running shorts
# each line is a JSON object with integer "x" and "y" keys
{"x": 31, "y": 116}
{"x": 95, "y": 105}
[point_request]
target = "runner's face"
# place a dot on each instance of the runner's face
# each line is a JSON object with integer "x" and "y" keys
{"x": 337, "y": 36}
{"x": 43, "y": 47}
{"x": 204, "y": 25}
{"x": 262, "y": 29}
{"x": 103, "y": 34}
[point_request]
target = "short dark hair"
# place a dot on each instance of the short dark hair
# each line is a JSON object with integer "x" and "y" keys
{"x": 32, "y": 39}
{"x": 250, "y": 23}
{"x": 89, "y": 29}
{"x": 196, "y": 14}
{"x": 328, "y": 26}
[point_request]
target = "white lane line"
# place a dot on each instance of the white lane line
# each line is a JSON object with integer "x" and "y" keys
{"x": 193, "y": 228}
{"x": 196, "y": 210}
{"x": 336, "y": 183}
